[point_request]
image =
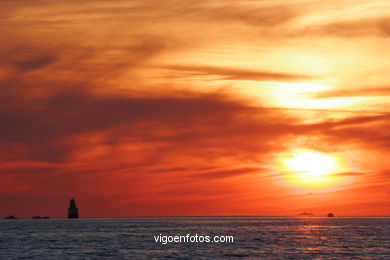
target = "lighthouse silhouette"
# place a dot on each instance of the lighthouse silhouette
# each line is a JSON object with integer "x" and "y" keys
{"x": 73, "y": 211}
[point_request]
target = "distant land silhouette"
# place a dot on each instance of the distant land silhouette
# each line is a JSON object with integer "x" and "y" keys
{"x": 305, "y": 214}
{"x": 11, "y": 217}
{"x": 39, "y": 217}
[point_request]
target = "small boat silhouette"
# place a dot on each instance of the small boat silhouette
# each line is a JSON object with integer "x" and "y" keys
{"x": 330, "y": 215}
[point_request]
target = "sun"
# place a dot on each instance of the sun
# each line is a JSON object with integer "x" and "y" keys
{"x": 311, "y": 168}
{"x": 312, "y": 163}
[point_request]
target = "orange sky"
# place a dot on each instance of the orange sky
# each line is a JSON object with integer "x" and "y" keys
{"x": 141, "y": 108}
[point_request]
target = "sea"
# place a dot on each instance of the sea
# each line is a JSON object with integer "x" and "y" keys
{"x": 243, "y": 237}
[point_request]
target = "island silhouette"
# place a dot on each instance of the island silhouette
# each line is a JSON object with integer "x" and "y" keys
{"x": 305, "y": 214}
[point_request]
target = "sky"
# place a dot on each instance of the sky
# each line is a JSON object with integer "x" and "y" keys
{"x": 193, "y": 108}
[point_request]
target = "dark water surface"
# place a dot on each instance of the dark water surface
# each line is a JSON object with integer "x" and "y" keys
{"x": 254, "y": 237}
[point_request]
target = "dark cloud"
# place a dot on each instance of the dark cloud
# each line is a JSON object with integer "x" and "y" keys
{"x": 35, "y": 63}
{"x": 77, "y": 112}
{"x": 228, "y": 73}
{"x": 46, "y": 128}
{"x": 375, "y": 26}
{"x": 364, "y": 131}
{"x": 350, "y": 174}
{"x": 359, "y": 92}
{"x": 225, "y": 173}
{"x": 264, "y": 16}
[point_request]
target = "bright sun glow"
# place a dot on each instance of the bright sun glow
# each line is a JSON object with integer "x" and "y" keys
{"x": 311, "y": 168}
{"x": 312, "y": 163}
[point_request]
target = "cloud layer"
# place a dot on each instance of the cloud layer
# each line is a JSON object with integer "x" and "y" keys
{"x": 162, "y": 108}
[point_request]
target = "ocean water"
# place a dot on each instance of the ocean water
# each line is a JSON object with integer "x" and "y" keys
{"x": 254, "y": 237}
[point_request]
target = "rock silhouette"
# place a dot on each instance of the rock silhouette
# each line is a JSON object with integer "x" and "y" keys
{"x": 11, "y": 217}
{"x": 73, "y": 211}
{"x": 39, "y": 217}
